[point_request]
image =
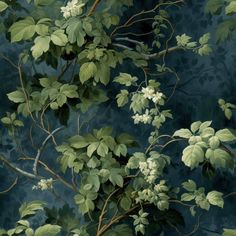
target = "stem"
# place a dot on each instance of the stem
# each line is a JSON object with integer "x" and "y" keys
{"x": 11, "y": 187}
{"x": 103, "y": 212}
{"x": 18, "y": 170}
{"x": 93, "y": 8}
{"x": 142, "y": 13}
{"x": 41, "y": 149}
{"x": 53, "y": 173}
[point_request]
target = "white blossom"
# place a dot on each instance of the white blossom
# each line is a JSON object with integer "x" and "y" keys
{"x": 157, "y": 97}
{"x": 44, "y": 184}
{"x": 145, "y": 118}
{"x": 148, "y": 92}
{"x": 73, "y": 8}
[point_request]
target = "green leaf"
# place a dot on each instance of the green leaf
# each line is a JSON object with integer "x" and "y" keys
{"x": 22, "y": 30}
{"x": 195, "y": 126}
{"x": 59, "y": 38}
{"x": 30, "y": 208}
{"x": 205, "y": 38}
{"x": 186, "y": 197}
{"x": 204, "y": 125}
{"x": 69, "y": 90}
{"x": 43, "y": 2}
{"x": 92, "y": 148}
{"x": 41, "y": 45}
{"x": 190, "y": 185}
{"x": 49, "y": 230}
{"x": 225, "y": 30}
{"x": 225, "y": 135}
{"x": 213, "y": 6}
{"x": 215, "y": 198}
{"x": 125, "y": 79}
{"x": 219, "y": 158}
{"x": 122, "y": 98}
{"x": 116, "y": 178}
{"x": 125, "y": 203}
{"x": 231, "y": 8}
{"x": 16, "y": 96}
{"x": 193, "y": 155}
{"x": 183, "y": 133}
{"x": 78, "y": 142}
{"x": 229, "y": 232}
{"x": 75, "y": 32}
{"x": 87, "y": 71}
{"x": 183, "y": 40}
{"x": 102, "y": 149}
{"x": 3, "y": 6}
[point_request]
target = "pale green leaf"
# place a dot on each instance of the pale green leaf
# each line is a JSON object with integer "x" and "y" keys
{"x": 23, "y": 29}
{"x": 41, "y": 45}
{"x": 3, "y": 6}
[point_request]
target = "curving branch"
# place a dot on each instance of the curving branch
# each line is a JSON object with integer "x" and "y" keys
{"x": 11, "y": 187}
{"x": 41, "y": 149}
{"x": 18, "y": 170}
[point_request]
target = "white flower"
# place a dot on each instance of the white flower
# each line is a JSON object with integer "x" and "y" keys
{"x": 146, "y": 118}
{"x": 44, "y": 184}
{"x": 148, "y": 92}
{"x": 151, "y": 179}
{"x": 157, "y": 97}
{"x": 137, "y": 118}
{"x": 73, "y": 8}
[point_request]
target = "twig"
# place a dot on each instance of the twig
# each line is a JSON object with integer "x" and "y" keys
{"x": 128, "y": 40}
{"x": 53, "y": 173}
{"x": 42, "y": 147}
{"x": 93, "y": 8}
{"x": 142, "y": 13}
{"x": 11, "y": 187}
{"x": 18, "y": 170}
{"x": 103, "y": 212}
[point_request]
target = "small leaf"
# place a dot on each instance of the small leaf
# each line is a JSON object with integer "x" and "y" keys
{"x": 87, "y": 71}
{"x": 59, "y": 38}
{"x": 215, "y": 198}
{"x": 183, "y": 133}
{"x": 3, "y": 6}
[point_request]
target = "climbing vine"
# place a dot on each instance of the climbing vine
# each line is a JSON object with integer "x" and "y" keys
{"x": 120, "y": 186}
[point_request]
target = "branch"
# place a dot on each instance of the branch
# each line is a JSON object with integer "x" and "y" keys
{"x": 52, "y": 173}
{"x": 11, "y": 187}
{"x": 150, "y": 56}
{"x": 93, "y": 8}
{"x": 129, "y": 40}
{"x": 144, "y": 12}
{"x": 41, "y": 149}
{"x": 18, "y": 170}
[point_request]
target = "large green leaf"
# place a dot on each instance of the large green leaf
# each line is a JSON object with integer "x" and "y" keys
{"x": 225, "y": 135}
{"x": 193, "y": 155}
{"x": 225, "y": 30}
{"x": 49, "y": 230}
{"x": 213, "y": 6}
{"x": 30, "y": 208}
{"x": 23, "y": 29}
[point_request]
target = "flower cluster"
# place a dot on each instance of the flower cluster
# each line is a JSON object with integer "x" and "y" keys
{"x": 73, "y": 8}
{"x": 44, "y": 184}
{"x": 157, "y": 196}
{"x": 149, "y": 169}
{"x": 150, "y": 94}
{"x": 145, "y": 118}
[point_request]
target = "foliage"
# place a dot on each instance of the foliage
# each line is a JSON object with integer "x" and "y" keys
{"x": 119, "y": 187}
